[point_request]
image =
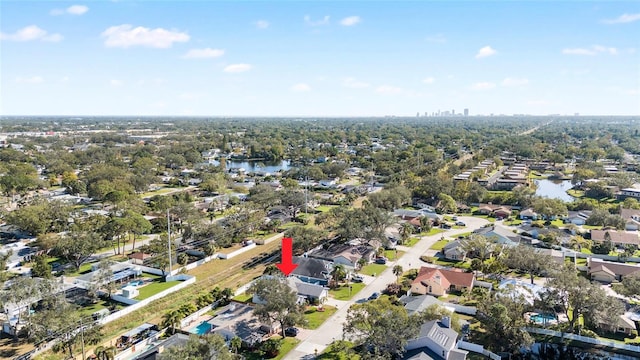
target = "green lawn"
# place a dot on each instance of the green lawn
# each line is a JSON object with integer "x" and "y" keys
{"x": 154, "y": 288}
{"x": 342, "y": 293}
{"x": 84, "y": 269}
{"x": 411, "y": 241}
{"x": 160, "y": 192}
{"x": 325, "y": 208}
{"x": 433, "y": 231}
{"x": 439, "y": 245}
{"x": 393, "y": 254}
{"x": 457, "y": 264}
{"x": 371, "y": 269}
{"x": 243, "y": 298}
{"x": 90, "y": 309}
{"x": 316, "y": 318}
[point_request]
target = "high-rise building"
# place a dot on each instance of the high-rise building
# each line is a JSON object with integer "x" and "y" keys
{"x": 453, "y": 112}
{"x": 466, "y": 112}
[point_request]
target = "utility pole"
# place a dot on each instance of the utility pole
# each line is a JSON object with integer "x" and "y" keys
{"x": 306, "y": 201}
{"x": 169, "y": 239}
{"x": 84, "y": 355}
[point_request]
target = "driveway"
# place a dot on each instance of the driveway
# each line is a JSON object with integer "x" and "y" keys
{"x": 331, "y": 330}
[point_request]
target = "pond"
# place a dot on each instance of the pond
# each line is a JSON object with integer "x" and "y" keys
{"x": 554, "y": 189}
{"x": 253, "y": 166}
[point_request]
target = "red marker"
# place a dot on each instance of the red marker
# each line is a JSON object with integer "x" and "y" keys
{"x": 286, "y": 264}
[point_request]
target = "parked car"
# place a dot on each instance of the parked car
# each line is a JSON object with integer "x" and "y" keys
{"x": 381, "y": 260}
{"x": 357, "y": 278}
{"x": 455, "y": 218}
{"x": 460, "y": 223}
{"x": 291, "y": 331}
{"x": 374, "y": 296}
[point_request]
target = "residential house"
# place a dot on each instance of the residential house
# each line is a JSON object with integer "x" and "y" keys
{"x": 499, "y": 211}
{"x": 617, "y": 238}
{"x": 178, "y": 339}
{"x": 528, "y": 214}
{"x": 438, "y": 341}
{"x": 312, "y": 293}
{"x": 499, "y": 235}
{"x": 622, "y": 325}
{"x": 577, "y": 217}
{"x": 629, "y": 192}
{"x": 345, "y": 254}
{"x": 438, "y": 282}
{"x": 631, "y": 218}
{"x": 138, "y": 257}
{"x": 238, "y": 320}
{"x": 312, "y": 271}
{"x": 607, "y": 271}
{"x": 560, "y": 236}
{"x": 455, "y": 250}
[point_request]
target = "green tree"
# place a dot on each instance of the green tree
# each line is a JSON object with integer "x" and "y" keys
{"x": 406, "y": 229}
{"x": 210, "y": 346}
{"x": 501, "y": 316}
{"x": 398, "y": 271}
{"x": 338, "y": 273}
{"x": 277, "y": 303}
{"x": 76, "y": 247}
{"x": 304, "y": 238}
{"x": 380, "y": 329}
{"x": 41, "y": 267}
{"x": 526, "y": 259}
{"x": 172, "y": 319}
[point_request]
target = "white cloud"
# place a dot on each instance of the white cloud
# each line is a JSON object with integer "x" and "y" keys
{"x": 237, "y": 68}
{"x": 206, "y": 53}
{"x": 623, "y": 19}
{"x": 350, "y": 20}
{"x": 300, "y": 87}
{"x": 30, "y": 80}
{"x": 388, "y": 89}
{"x": 73, "y": 10}
{"x": 437, "y": 38}
{"x": 354, "y": 84}
{"x": 30, "y": 33}
{"x": 262, "y": 24}
{"x": 115, "y": 82}
{"x": 310, "y": 22}
{"x": 483, "y": 86}
{"x": 593, "y": 50}
{"x": 428, "y": 80}
{"x": 485, "y": 52}
{"x": 513, "y": 82}
{"x": 126, "y": 35}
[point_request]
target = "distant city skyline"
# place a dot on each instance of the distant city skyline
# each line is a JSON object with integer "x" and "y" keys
{"x": 220, "y": 58}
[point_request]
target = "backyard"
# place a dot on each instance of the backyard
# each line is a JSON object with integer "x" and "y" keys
{"x": 373, "y": 269}
{"x": 343, "y": 293}
{"x": 315, "y": 318}
{"x": 154, "y": 288}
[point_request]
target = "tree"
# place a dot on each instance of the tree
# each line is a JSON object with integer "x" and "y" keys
{"x": 23, "y": 293}
{"x": 631, "y": 284}
{"x": 447, "y": 204}
{"x": 210, "y": 346}
{"x": 398, "y": 271}
{"x": 526, "y": 259}
{"x": 338, "y": 273}
{"x": 105, "y": 353}
{"x": 304, "y": 238}
{"x": 406, "y": 229}
{"x": 41, "y": 267}
{"x": 277, "y": 302}
{"x": 549, "y": 208}
{"x": 294, "y": 200}
{"x": 76, "y": 247}
{"x": 501, "y": 316}
{"x": 425, "y": 223}
{"x": 172, "y": 320}
{"x": 235, "y": 344}
{"x": 380, "y": 329}
{"x": 480, "y": 247}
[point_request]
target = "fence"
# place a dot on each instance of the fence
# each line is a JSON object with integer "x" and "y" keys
{"x": 478, "y": 349}
{"x": 237, "y": 252}
{"x": 585, "y": 339}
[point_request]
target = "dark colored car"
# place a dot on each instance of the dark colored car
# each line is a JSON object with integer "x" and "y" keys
{"x": 374, "y": 296}
{"x": 293, "y": 332}
{"x": 381, "y": 260}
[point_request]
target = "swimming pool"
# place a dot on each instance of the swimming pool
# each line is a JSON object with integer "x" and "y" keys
{"x": 134, "y": 283}
{"x": 542, "y": 318}
{"x": 202, "y": 328}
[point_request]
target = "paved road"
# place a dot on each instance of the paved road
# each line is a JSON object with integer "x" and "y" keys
{"x": 331, "y": 330}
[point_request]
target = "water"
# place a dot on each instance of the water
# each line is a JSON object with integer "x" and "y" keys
{"x": 253, "y": 166}
{"x": 202, "y": 328}
{"x": 542, "y": 318}
{"x": 554, "y": 189}
{"x": 133, "y": 283}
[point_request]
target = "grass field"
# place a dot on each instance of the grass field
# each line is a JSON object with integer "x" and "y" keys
{"x": 244, "y": 297}
{"x": 316, "y": 318}
{"x": 154, "y": 288}
{"x": 411, "y": 241}
{"x": 325, "y": 208}
{"x": 342, "y": 293}
{"x": 371, "y": 269}
{"x": 433, "y": 231}
{"x": 393, "y": 254}
{"x": 439, "y": 245}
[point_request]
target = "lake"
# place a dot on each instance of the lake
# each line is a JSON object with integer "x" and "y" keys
{"x": 554, "y": 189}
{"x": 253, "y": 166}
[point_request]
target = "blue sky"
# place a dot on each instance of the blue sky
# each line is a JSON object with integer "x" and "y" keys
{"x": 304, "y": 58}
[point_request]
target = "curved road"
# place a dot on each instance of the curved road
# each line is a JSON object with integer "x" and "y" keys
{"x": 317, "y": 340}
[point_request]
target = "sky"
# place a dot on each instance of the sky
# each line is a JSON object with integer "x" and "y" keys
{"x": 319, "y": 58}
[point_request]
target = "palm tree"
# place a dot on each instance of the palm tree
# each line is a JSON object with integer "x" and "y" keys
{"x": 172, "y": 320}
{"x": 425, "y": 223}
{"x": 397, "y": 271}
{"x": 338, "y": 273}
{"x": 235, "y": 344}
{"x": 361, "y": 263}
{"x": 406, "y": 229}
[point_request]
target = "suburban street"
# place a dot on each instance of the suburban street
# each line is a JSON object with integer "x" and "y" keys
{"x": 317, "y": 340}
